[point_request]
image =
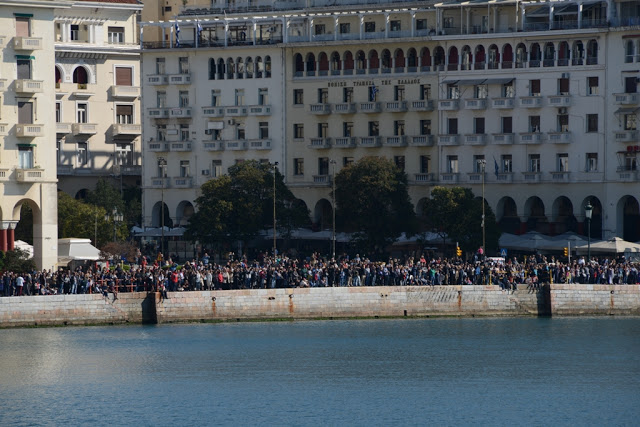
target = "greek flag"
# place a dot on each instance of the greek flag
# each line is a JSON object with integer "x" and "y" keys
{"x": 497, "y": 168}
{"x": 374, "y": 91}
{"x": 177, "y": 29}
{"x": 198, "y": 28}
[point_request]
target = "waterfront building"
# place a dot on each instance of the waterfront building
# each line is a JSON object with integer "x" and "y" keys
{"x": 534, "y": 101}
{"x": 97, "y": 95}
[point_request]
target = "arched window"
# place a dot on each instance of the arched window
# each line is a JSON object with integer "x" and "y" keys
{"x": 386, "y": 61}
{"x": 80, "y": 77}
{"x": 311, "y": 64}
{"x": 58, "y": 76}
{"x": 231, "y": 69}
{"x": 374, "y": 62}
{"x": 239, "y": 68}
{"x": 336, "y": 63}
{"x": 412, "y": 60}
{"x": 629, "y": 52}
{"x": 466, "y": 58}
{"x": 438, "y": 58}
{"x": 536, "y": 55}
{"x": 592, "y": 52}
{"x": 493, "y": 62}
{"x": 399, "y": 60}
{"x": 361, "y": 62}
{"x": 212, "y": 69}
{"x": 521, "y": 55}
{"x": 323, "y": 64}
{"x": 249, "y": 67}
{"x": 267, "y": 66}
{"x": 348, "y": 62}
{"x": 298, "y": 65}
{"x": 425, "y": 59}
{"x": 563, "y": 54}
{"x": 259, "y": 67}
{"x": 453, "y": 58}
{"x": 220, "y": 69}
{"x": 507, "y": 56}
{"x": 480, "y": 59}
{"x": 549, "y": 55}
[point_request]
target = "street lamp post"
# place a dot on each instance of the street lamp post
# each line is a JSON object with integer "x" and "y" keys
{"x": 483, "y": 164}
{"x": 117, "y": 218}
{"x": 588, "y": 211}
{"x": 162, "y": 162}
{"x": 275, "y": 167}
{"x": 333, "y": 205}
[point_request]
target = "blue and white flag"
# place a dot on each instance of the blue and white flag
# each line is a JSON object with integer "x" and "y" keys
{"x": 177, "y": 30}
{"x": 497, "y": 168}
{"x": 374, "y": 91}
{"x": 198, "y": 28}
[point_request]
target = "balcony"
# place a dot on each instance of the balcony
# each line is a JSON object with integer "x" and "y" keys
{"x": 157, "y": 79}
{"x": 370, "y": 141}
{"x": 130, "y": 170}
{"x": 501, "y": 103}
{"x": 4, "y": 129}
{"x": 475, "y": 104}
{"x": 85, "y": 128}
{"x": 425, "y": 105}
{"x": 625, "y": 136}
{"x": 159, "y": 182}
{"x": 29, "y": 130}
{"x": 504, "y": 177}
{"x": 476, "y": 177}
{"x": 125, "y": 92}
{"x": 424, "y": 178}
{"x": 450, "y": 177}
{"x": 259, "y": 144}
{"x": 235, "y": 111}
{"x": 260, "y": 110}
{"x": 209, "y": 145}
{"x": 530, "y": 101}
{"x": 559, "y": 100}
{"x": 182, "y": 182}
{"x": 27, "y": 43}
{"x": 395, "y": 141}
{"x": 370, "y": 107}
{"x": 395, "y": 106}
{"x": 126, "y": 129}
{"x": 180, "y": 113}
{"x": 236, "y": 145}
{"x": 212, "y": 112}
{"x": 29, "y": 86}
{"x": 531, "y": 177}
{"x": 180, "y": 146}
{"x": 3, "y": 85}
{"x": 449, "y": 104}
{"x": 502, "y": 138}
{"x": 158, "y": 146}
{"x": 422, "y": 141}
{"x": 475, "y": 139}
{"x": 321, "y": 179}
{"x": 626, "y": 98}
{"x": 158, "y": 113}
{"x": 29, "y": 175}
{"x": 64, "y": 170}
{"x": 320, "y": 143}
{"x": 345, "y": 142}
{"x": 64, "y": 128}
{"x": 344, "y": 108}
{"x": 179, "y": 79}
{"x": 560, "y": 177}
{"x": 320, "y": 109}
{"x": 560, "y": 137}
{"x": 448, "y": 140}
{"x": 627, "y": 175}
{"x": 531, "y": 138}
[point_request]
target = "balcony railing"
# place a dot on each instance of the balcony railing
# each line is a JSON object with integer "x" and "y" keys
{"x": 320, "y": 143}
{"x": 344, "y": 108}
{"x": 29, "y": 175}
{"x": 560, "y": 137}
{"x": 63, "y": 128}
{"x": 475, "y": 139}
{"x": 160, "y": 182}
{"x": 85, "y": 128}
{"x": 320, "y": 109}
{"x": 560, "y": 176}
{"x": 259, "y": 144}
{"x": 531, "y": 176}
{"x": 626, "y": 98}
{"x": 395, "y": 141}
{"x": 504, "y": 177}
{"x": 182, "y": 182}
{"x": 559, "y": 100}
{"x": 29, "y": 131}
{"x": 449, "y": 177}
{"x": 184, "y": 112}
{"x": 27, "y": 43}
{"x": 157, "y": 79}
{"x": 423, "y": 178}
{"x": 209, "y": 145}
{"x": 626, "y": 136}
{"x": 476, "y": 177}
{"x": 502, "y": 138}
{"x": 449, "y": 104}
{"x": 158, "y": 113}
{"x": 370, "y": 107}
{"x": 128, "y": 92}
{"x": 180, "y": 146}
{"x": 236, "y": 145}
{"x": 531, "y": 101}
{"x": 126, "y": 129}
{"x": 235, "y": 111}
{"x": 158, "y": 146}
{"x": 179, "y": 79}
{"x": 502, "y": 102}
{"x": 626, "y": 175}
{"x": 212, "y": 112}
{"x": 370, "y": 141}
{"x": 396, "y": 106}
{"x": 531, "y": 138}
{"x": 448, "y": 140}
{"x": 29, "y": 86}
{"x": 424, "y": 105}
{"x": 475, "y": 103}
{"x": 345, "y": 142}
{"x": 321, "y": 179}
{"x": 260, "y": 110}
{"x": 422, "y": 140}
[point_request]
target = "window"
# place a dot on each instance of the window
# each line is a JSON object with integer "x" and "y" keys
{"x": 239, "y": 99}
{"x": 630, "y": 85}
{"x": 452, "y": 164}
{"x": 185, "y": 169}
{"x": 480, "y": 91}
{"x": 507, "y": 124}
{"x": 347, "y": 161}
{"x": 216, "y": 168}
{"x": 479, "y": 164}
{"x": 563, "y": 162}
{"x": 323, "y": 166}
{"x": 25, "y": 157}
{"x": 398, "y": 127}
{"x": 81, "y": 154}
{"x": 398, "y": 93}
{"x": 453, "y": 91}
{"x": 75, "y": 32}
{"x": 592, "y": 162}
{"x": 263, "y": 96}
{"x": 59, "y": 152}
{"x": 508, "y": 90}
{"x": 124, "y": 114}
{"x": 162, "y": 169}
{"x": 421, "y": 24}
{"x": 263, "y": 130}
{"x": 478, "y": 125}
{"x": 240, "y": 134}
{"x": 184, "y": 98}
{"x": 323, "y": 130}
{"x": 534, "y": 123}
{"x": 298, "y": 167}
{"x": 395, "y": 26}
{"x": 507, "y": 163}
{"x": 345, "y": 28}
{"x": 424, "y": 164}
{"x": 298, "y": 131}
{"x": 425, "y": 127}
{"x": 563, "y": 86}
{"x": 298, "y": 97}
{"x": 124, "y": 76}
{"x": 216, "y": 134}
{"x": 160, "y": 66}
{"x": 534, "y": 87}
{"x": 347, "y": 94}
{"x": 319, "y": 29}
{"x": 24, "y": 69}
{"x": 425, "y": 92}
{"x": 23, "y": 26}
{"x": 58, "y": 112}
{"x": 81, "y": 113}
{"x": 563, "y": 123}
{"x": 124, "y": 154}
{"x": 161, "y": 98}
{"x": 216, "y": 98}
{"x": 373, "y": 93}
{"x": 25, "y": 112}
{"x": 161, "y": 132}
{"x": 369, "y": 27}
{"x": 399, "y": 162}
{"x": 534, "y": 162}
{"x": 452, "y": 126}
{"x": 592, "y": 123}
{"x": 347, "y": 129}
{"x": 183, "y": 65}
{"x": 115, "y": 35}
{"x": 323, "y": 96}
{"x": 374, "y": 128}
{"x": 592, "y": 85}
{"x": 630, "y": 122}
{"x": 184, "y": 132}
{"x": 447, "y": 22}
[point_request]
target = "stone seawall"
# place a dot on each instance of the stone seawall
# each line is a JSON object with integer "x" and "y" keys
{"x": 309, "y": 303}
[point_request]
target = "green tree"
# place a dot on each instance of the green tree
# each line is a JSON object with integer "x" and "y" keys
{"x": 239, "y": 205}
{"x": 372, "y": 200}
{"x": 106, "y": 196}
{"x": 16, "y": 260}
{"x": 457, "y": 213}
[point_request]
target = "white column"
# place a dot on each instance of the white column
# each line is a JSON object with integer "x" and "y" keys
{"x": 255, "y": 30}
{"x": 551, "y": 10}
{"x": 386, "y": 25}
{"x": 413, "y": 24}
{"x": 468, "y": 19}
{"x": 579, "y": 15}
{"x": 226, "y": 34}
{"x": 336, "y": 27}
{"x": 361, "y": 26}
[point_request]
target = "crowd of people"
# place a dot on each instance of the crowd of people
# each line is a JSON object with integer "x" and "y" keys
{"x": 165, "y": 276}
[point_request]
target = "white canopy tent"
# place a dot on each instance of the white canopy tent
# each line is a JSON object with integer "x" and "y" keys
{"x": 615, "y": 245}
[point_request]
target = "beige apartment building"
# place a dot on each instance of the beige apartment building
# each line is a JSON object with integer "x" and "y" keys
{"x": 97, "y": 94}
{"x": 534, "y": 102}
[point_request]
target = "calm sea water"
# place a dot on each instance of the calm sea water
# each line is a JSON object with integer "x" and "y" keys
{"x": 523, "y": 371}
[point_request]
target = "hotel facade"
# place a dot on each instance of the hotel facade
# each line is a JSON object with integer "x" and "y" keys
{"x": 535, "y": 101}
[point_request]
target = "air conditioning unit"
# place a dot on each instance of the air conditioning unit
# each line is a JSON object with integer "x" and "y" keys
{"x": 231, "y": 122}
{"x": 205, "y": 172}
{"x": 565, "y": 75}
{"x": 562, "y": 110}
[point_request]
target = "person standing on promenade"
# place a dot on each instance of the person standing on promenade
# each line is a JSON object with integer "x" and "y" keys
{"x": 19, "y": 285}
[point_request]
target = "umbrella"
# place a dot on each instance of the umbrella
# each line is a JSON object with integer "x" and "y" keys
{"x": 530, "y": 241}
{"x": 615, "y": 245}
